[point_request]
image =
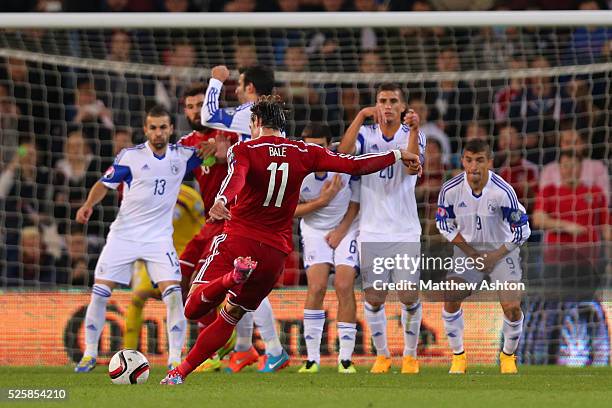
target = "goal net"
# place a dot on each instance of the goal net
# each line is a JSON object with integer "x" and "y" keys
{"x": 72, "y": 96}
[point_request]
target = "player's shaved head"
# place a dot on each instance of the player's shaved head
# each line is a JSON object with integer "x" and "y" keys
{"x": 393, "y": 87}
{"x": 158, "y": 111}
{"x": 478, "y": 146}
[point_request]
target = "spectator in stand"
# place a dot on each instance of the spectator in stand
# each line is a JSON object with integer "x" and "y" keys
{"x": 475, "y": 130}
{"x": 245, "y": 54}
{"x": 177, "y": 6}
{"x": 73, "y": 174}
{"x": 303, "y": 100}
{"x": 239, "y": 6}
{"x": 507, "y": 94}
{"x": 9, "y": 127}
{"x": 587, "y": 42}
{"x": 592, "y": 172}
{"x": 76, "y": 266}
{"x": 181, "y": 54}
{"x": 514, "y": 168}
{"x": 32, "y": 265}
{"x": 429, "y": 184}
{"x": 362, "y": 94}
{"x": 452, "y": 101}
{"x": 25, "y": 192}
{"x": 431, "y": 130}
{"x": 539, "y": 107}
{"x": 89, "y": 108}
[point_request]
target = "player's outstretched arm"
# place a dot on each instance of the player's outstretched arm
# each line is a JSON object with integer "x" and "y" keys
{"x": 347, "y": 144}
{"x": 326, "y": 160}
{"x": 96, "y": 194}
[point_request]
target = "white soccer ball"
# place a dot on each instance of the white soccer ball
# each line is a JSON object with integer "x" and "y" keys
{"x": 128, "y": 367}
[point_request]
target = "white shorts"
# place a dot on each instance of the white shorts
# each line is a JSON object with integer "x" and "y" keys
{"x": 507, "y": 269}
{"x": 117, "y": 259}
{"x": 317, "y": 251}
{"x": 373, "y": 255}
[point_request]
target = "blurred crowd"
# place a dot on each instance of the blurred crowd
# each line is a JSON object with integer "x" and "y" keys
{"x": 61, "y": 126}
{"x": 175, "y": 6}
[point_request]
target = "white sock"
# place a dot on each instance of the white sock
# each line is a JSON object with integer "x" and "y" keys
{"x": 512, "y": 333}
{"x": 377, "y": 320}
{"x": 95, "y": 318}
{"x": 411, "y": 323}
{"x": 347, "y": 332}
{"x": 244, "y": 333}
{"x": 175, "y": 321}
{"x": 453, "y": 324}
{"x": 314, "y": 320}
{"x": 263, "y": 317}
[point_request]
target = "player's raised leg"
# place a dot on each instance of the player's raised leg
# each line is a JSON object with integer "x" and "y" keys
{"x": 344, "y": 283}
{"x": 314, "y": 315}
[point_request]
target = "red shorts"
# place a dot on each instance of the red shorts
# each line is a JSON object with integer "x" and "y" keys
{"x": 270, "y": 265}
{"x": 200, "y": 244}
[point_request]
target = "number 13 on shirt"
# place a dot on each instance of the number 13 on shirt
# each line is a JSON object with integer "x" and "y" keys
{"x": 273, "y": 168}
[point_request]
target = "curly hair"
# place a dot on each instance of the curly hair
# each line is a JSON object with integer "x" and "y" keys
{"x": 270, "y": 109}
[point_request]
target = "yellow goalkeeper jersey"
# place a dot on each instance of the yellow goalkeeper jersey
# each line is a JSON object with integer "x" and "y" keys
{"x": 188, "y": 218}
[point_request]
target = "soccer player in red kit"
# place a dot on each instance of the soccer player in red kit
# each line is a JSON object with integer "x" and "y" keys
{"x": 264, "y": 179}
{"x": 215, "y": 144}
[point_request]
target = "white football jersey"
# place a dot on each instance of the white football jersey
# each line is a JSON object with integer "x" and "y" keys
{"x": 151, "y": 187}
{"x": 486, "y": 221}
{"x": 329, "y": 216}
{"x": 388, "y": 204}
{"x": 231, "y": 119}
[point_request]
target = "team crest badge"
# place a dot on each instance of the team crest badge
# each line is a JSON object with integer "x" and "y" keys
{"x": 491, "y": 206}
{"x": 109, "y": 173}
{"x": 174, "y": 168}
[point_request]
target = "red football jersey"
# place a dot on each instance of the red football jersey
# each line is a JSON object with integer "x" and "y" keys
{"x": 585, "y": 205}
{"x": 264, "y": 180}
{"x": 208, "y": 178}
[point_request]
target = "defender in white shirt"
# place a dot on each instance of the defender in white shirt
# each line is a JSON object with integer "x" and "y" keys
{"x": 388, "y": 221}
{"x": 329, "y": 204}
{"x": 480, "y": 213}
{"x": 151, "y": 175}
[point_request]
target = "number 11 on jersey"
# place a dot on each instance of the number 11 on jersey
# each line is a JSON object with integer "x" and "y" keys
{"x": 273, "y": 168}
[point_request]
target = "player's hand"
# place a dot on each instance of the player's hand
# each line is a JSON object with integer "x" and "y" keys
{"x": 83, "y": 214}
{"x": 410, "y": 160}
{"x": 371, "y": 112}
{"x": 412, "y": 120}
{"x": 489, "y": 260}
{"x": 334, "y": 237}
{"x": 574, "y": 229}
{"x": 207, "y": 148}
{"x": 219, "y": 212}
{"x": 330, "y": 189}
{"x": 220, "y": 72}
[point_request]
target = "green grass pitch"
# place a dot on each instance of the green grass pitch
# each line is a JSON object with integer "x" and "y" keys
{"x": 433, "y": 387}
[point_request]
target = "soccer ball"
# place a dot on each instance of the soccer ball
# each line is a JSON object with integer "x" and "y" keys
{"x": 128, "y": 367}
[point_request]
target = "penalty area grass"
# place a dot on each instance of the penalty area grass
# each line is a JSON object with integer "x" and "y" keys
{"x": 483, "y": 386}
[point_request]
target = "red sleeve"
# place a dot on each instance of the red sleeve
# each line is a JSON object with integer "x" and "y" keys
{"x": 540, "y": 204}
{"x": 326, "y": 160}
{"x": 601, "y": 207}
{"x": 237, "y": 169}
